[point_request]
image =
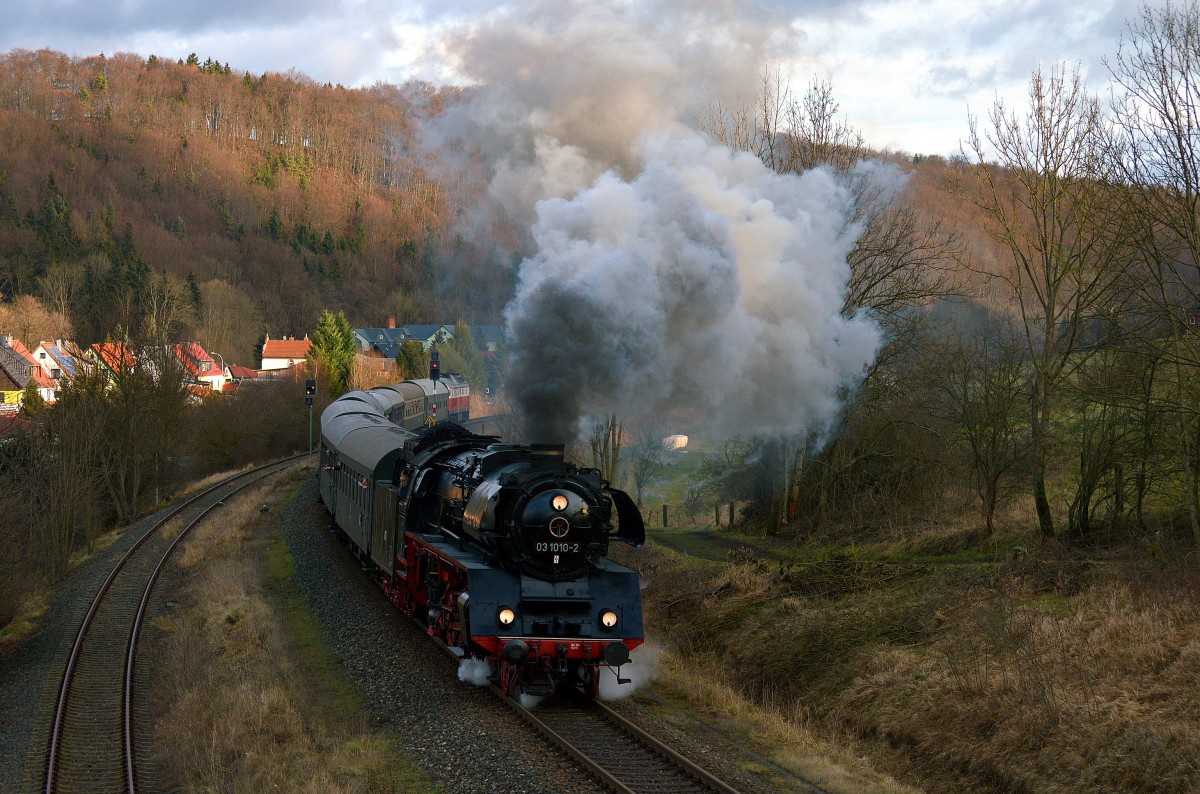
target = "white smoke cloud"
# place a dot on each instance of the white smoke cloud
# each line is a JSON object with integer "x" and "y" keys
{"x": 707, "y": 279}
{"x": 665, "y": 268}
{"x": 567, "y": 88}
{"x": 639, "y": 671}
{"x": 474, "y": 671}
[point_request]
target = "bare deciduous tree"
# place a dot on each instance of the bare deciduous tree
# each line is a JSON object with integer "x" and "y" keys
{"x": 607, "y": 435}
{"x": 647, "y": 459}
{"x": 1156, "y": 111}
{"x": 899, "y": 262}
{"x": 980, "y": 388}
{"x": 1041, "y": 181}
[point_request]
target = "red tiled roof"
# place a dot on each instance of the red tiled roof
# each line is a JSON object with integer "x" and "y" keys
{"x": 239, "y": 372}
{"x": 40, "y": 376}
{"x": 13, "y": 425}
{"x": 286, "y": 348}
{"x": 194, "y": 356}
{"x": 16, "y": 345}
{"x": 115, "y": 356}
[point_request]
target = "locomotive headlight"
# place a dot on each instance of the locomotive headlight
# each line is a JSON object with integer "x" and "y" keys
{"x": 506, "y": 616}
{"x": 559, "y": 502}
{"x": 608, "y": 618}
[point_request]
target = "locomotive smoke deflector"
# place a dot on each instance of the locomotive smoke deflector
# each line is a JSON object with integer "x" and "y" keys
{"x": 631, "y": 529}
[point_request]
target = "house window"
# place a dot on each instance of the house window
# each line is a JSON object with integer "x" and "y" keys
{"x": 56, "y": 373}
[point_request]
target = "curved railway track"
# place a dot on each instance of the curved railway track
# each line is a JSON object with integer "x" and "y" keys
{"x": 92, "y": 743}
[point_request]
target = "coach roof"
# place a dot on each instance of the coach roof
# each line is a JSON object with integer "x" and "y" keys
{"x": 373, "y": 448}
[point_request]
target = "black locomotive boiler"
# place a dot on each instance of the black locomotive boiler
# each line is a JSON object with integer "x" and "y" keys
{"x": 501, "y": 549}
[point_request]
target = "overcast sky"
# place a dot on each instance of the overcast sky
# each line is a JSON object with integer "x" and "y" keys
{"x": 905, "y": 71}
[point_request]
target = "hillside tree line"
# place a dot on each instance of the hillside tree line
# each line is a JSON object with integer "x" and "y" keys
{"x": 1044, "y": 344}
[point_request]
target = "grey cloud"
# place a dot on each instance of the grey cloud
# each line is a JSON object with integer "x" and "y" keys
{"x": 955, "y": 82}
{"x": 707, "y": 280}
{"x": 84, "y": 18}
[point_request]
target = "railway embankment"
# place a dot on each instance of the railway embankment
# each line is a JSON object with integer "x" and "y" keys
{"x": 247, "y": 695}
{"x": 1022, "y": 667}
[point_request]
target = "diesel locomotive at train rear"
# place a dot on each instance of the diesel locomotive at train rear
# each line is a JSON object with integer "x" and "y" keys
{"x": 501, "y": 549}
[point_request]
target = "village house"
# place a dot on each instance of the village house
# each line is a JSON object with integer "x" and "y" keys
{"x": 239, "y": 375}
{"x": 488, "y": 338}
{"x": 201, "y": 368}
{"x": 17, "y": 370}
{"x": 113, "y": 358}
{"x": 284, "y": 353}
{"x": 56, "y": 360}
{"x": 385, "y": 342}
{"x": 13, "y": 380}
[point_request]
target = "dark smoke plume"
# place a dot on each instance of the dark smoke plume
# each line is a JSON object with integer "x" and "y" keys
{"x": 666, "y": 269}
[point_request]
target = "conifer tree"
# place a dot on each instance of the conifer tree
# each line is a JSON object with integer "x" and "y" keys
{"x": 411, "y": 360}
{"x": 469, "y": 362}
{"x": 333, "y": 350}
{"x": 31, "y": 401}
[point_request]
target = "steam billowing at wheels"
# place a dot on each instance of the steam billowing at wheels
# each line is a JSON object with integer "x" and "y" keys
{"x": 499, "y": 549}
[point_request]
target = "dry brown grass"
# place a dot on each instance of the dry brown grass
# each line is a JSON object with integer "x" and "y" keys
{"x": 25, "y": 616}
{"x": 786, "y": 737}
{"x": 1092, "y": 693}
{"x": 696, "y": 672}
{"x": 1051, "y": 673}
{"x": 212, "y": 479}
{"x": 243, "y": 704}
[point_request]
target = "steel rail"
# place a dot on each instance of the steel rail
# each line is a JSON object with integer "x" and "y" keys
{"x": 131, "y": 651}
{"x": 703, "y": 778}
{"x": 688, "y": 766}
{"x": 64, "y": 693}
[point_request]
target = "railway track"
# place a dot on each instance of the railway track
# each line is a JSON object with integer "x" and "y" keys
{"x": 619, "y": 754}
{"x": 93, "y": 741}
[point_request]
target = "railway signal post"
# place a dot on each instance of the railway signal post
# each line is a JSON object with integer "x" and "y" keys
{"x": 310, "y": 392}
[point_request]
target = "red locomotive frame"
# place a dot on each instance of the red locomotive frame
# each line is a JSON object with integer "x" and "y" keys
{"x": 411, "y": 594}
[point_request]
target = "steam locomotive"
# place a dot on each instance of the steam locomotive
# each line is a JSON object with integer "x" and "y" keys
{"x": 500, "y": 549}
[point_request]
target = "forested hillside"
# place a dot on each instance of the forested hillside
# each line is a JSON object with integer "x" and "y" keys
{"x": 265, "y": 197}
